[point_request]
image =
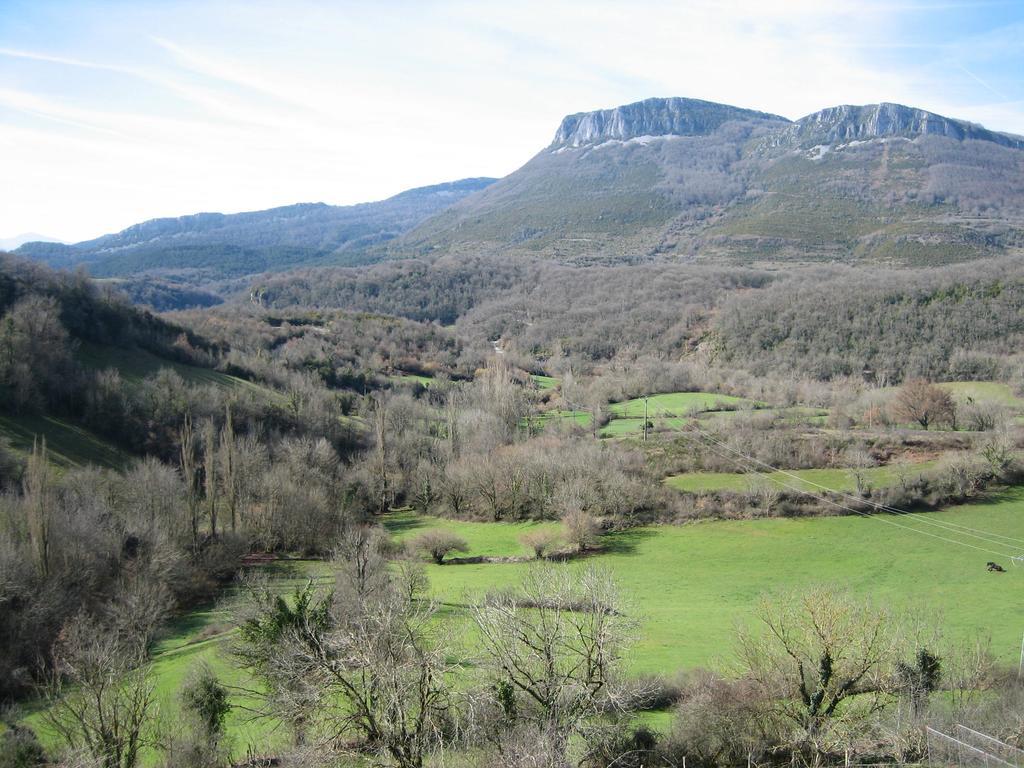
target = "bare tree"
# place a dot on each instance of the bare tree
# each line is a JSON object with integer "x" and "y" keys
{"x": 373, "y": 668}
{"x": 38, "y": 503}
{"x": 924, "y": 403}
{"x": 101, "y": 700}
{"x": 766, "y": 493}
{"x": 580, "y": 528}
{"x": 541, "y": 541}
{"x": 228, "y": 461}
{"x": 210, "y": 472}
{"x": 189, "y": 462}
{"x": 380, "y": 463}
{"x": 553, "y": 647}
{"x": 822, "y": 660}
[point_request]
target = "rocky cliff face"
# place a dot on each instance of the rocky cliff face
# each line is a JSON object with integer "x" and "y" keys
{"x": 693, "y": 117}
{"x": 849, "y": 123}
{"x": 652, "y": 117}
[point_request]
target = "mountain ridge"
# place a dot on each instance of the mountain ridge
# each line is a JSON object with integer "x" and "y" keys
{"x": 684, "y": 178}
{"x": 299, "y": 233}
{"x": 673, "y": 178}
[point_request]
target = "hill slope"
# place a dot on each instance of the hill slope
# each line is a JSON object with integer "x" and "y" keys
{"x": 693, "y": 179}
{"x": 216, "y": 245}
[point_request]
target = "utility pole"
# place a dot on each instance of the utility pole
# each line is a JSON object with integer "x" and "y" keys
{"x": 645, "y": 418}
{"x": 1020, "y": 667}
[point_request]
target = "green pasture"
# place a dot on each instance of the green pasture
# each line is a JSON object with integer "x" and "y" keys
{"x": 688, "y": 587}
{"x": 135, "y": 365}
{"x": 833, "y": 479}
{"x": 679, "y": 404}
{"x": 984, "y": 392}
{"x": 68, "y": 445}
{"x": 663, "y": 411}
{"x": 411, "y": 378}
{"x": 545, "y": 382}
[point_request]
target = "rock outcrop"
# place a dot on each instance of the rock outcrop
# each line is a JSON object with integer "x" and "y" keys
{"x": 652, "y": 117}
{"x": 851, "y": 123}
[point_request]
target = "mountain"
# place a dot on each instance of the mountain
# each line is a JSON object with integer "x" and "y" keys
{"x": 10, "y": 243}
{"x": 674, "y": 178}
{"x": 211, "y": 246}
{"x": 683, "y": 178}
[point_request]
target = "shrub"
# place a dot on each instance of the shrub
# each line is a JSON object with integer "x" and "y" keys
{"x": 19, "y": 748}
{"x": 540, "y": 542}
{"x": 438, "y": 543}
{"x": 581, "y": 529}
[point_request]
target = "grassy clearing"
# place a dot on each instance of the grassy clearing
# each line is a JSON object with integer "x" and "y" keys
{"x": 487, "y": 539}
{"x": 984, "y": 392}
{"x": 135, "y": 365}
{"x": 545, "y": 382}
{"x": 690, "y": 585}
{"x": 411, "y": 378}
{"x": 679, "y": 403}
{"x": 67, "y": 444}
{"x": 664, "y": 411}
{"x": 834, "y": 479}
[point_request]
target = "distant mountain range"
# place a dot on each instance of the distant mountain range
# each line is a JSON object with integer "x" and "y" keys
{"x": 217, "y": 246}
{"x": 10, "y": 243}
{"x": 659, "y": 179}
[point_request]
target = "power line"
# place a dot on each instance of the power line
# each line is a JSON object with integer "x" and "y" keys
{"x": 951, "y": 529}
{"x": 991, "y": 538}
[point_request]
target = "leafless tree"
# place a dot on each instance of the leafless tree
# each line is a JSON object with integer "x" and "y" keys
{"x": 373, "y": 668}
{"x": 553, "y": 646}
{"x": 924, "y": 403}
{"x": 823, "y": 660}
{"x": 38, "y": 504}
{"x": 189, "y": 462}
{"x": 581, "y": 529}
{"x": 211, "y": 485}
{"x": 540, "y": 541}
{"x": 101, "y": 695}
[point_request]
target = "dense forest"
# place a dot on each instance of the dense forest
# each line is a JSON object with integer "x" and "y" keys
{"x": 828, "y": 322}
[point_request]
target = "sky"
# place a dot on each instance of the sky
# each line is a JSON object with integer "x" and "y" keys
{"x": 112, "y": 113}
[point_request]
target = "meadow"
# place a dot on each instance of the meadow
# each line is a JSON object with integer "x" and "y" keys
{"x": 135, "y": 365}
{"x": 688, "y": 587}
{"x": 68, "y": 445}
{"x": 833, "y": 479}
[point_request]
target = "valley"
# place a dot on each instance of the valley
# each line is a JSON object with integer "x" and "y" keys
{"x": 699, "y": 419}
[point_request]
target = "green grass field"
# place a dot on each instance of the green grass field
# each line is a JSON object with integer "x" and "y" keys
{"x": 134, "y": 365}
{"x": 411, "y": 378}
{"x": 803, "y": 479}
{"x": 984, "y": 392}
{"x": 67, "y": 444}
{"x": 545, "y": 382}
{"x": 689, "y": 587}
{"x": 664, "y": 411}
{"x": 679, "y": 404}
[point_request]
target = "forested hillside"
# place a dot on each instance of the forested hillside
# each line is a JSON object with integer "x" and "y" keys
{"x": 945, "y": 323}
{"x": 207, "y": 247}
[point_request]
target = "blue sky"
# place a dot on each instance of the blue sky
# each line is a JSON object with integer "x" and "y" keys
{"x": 115, "y": 112}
